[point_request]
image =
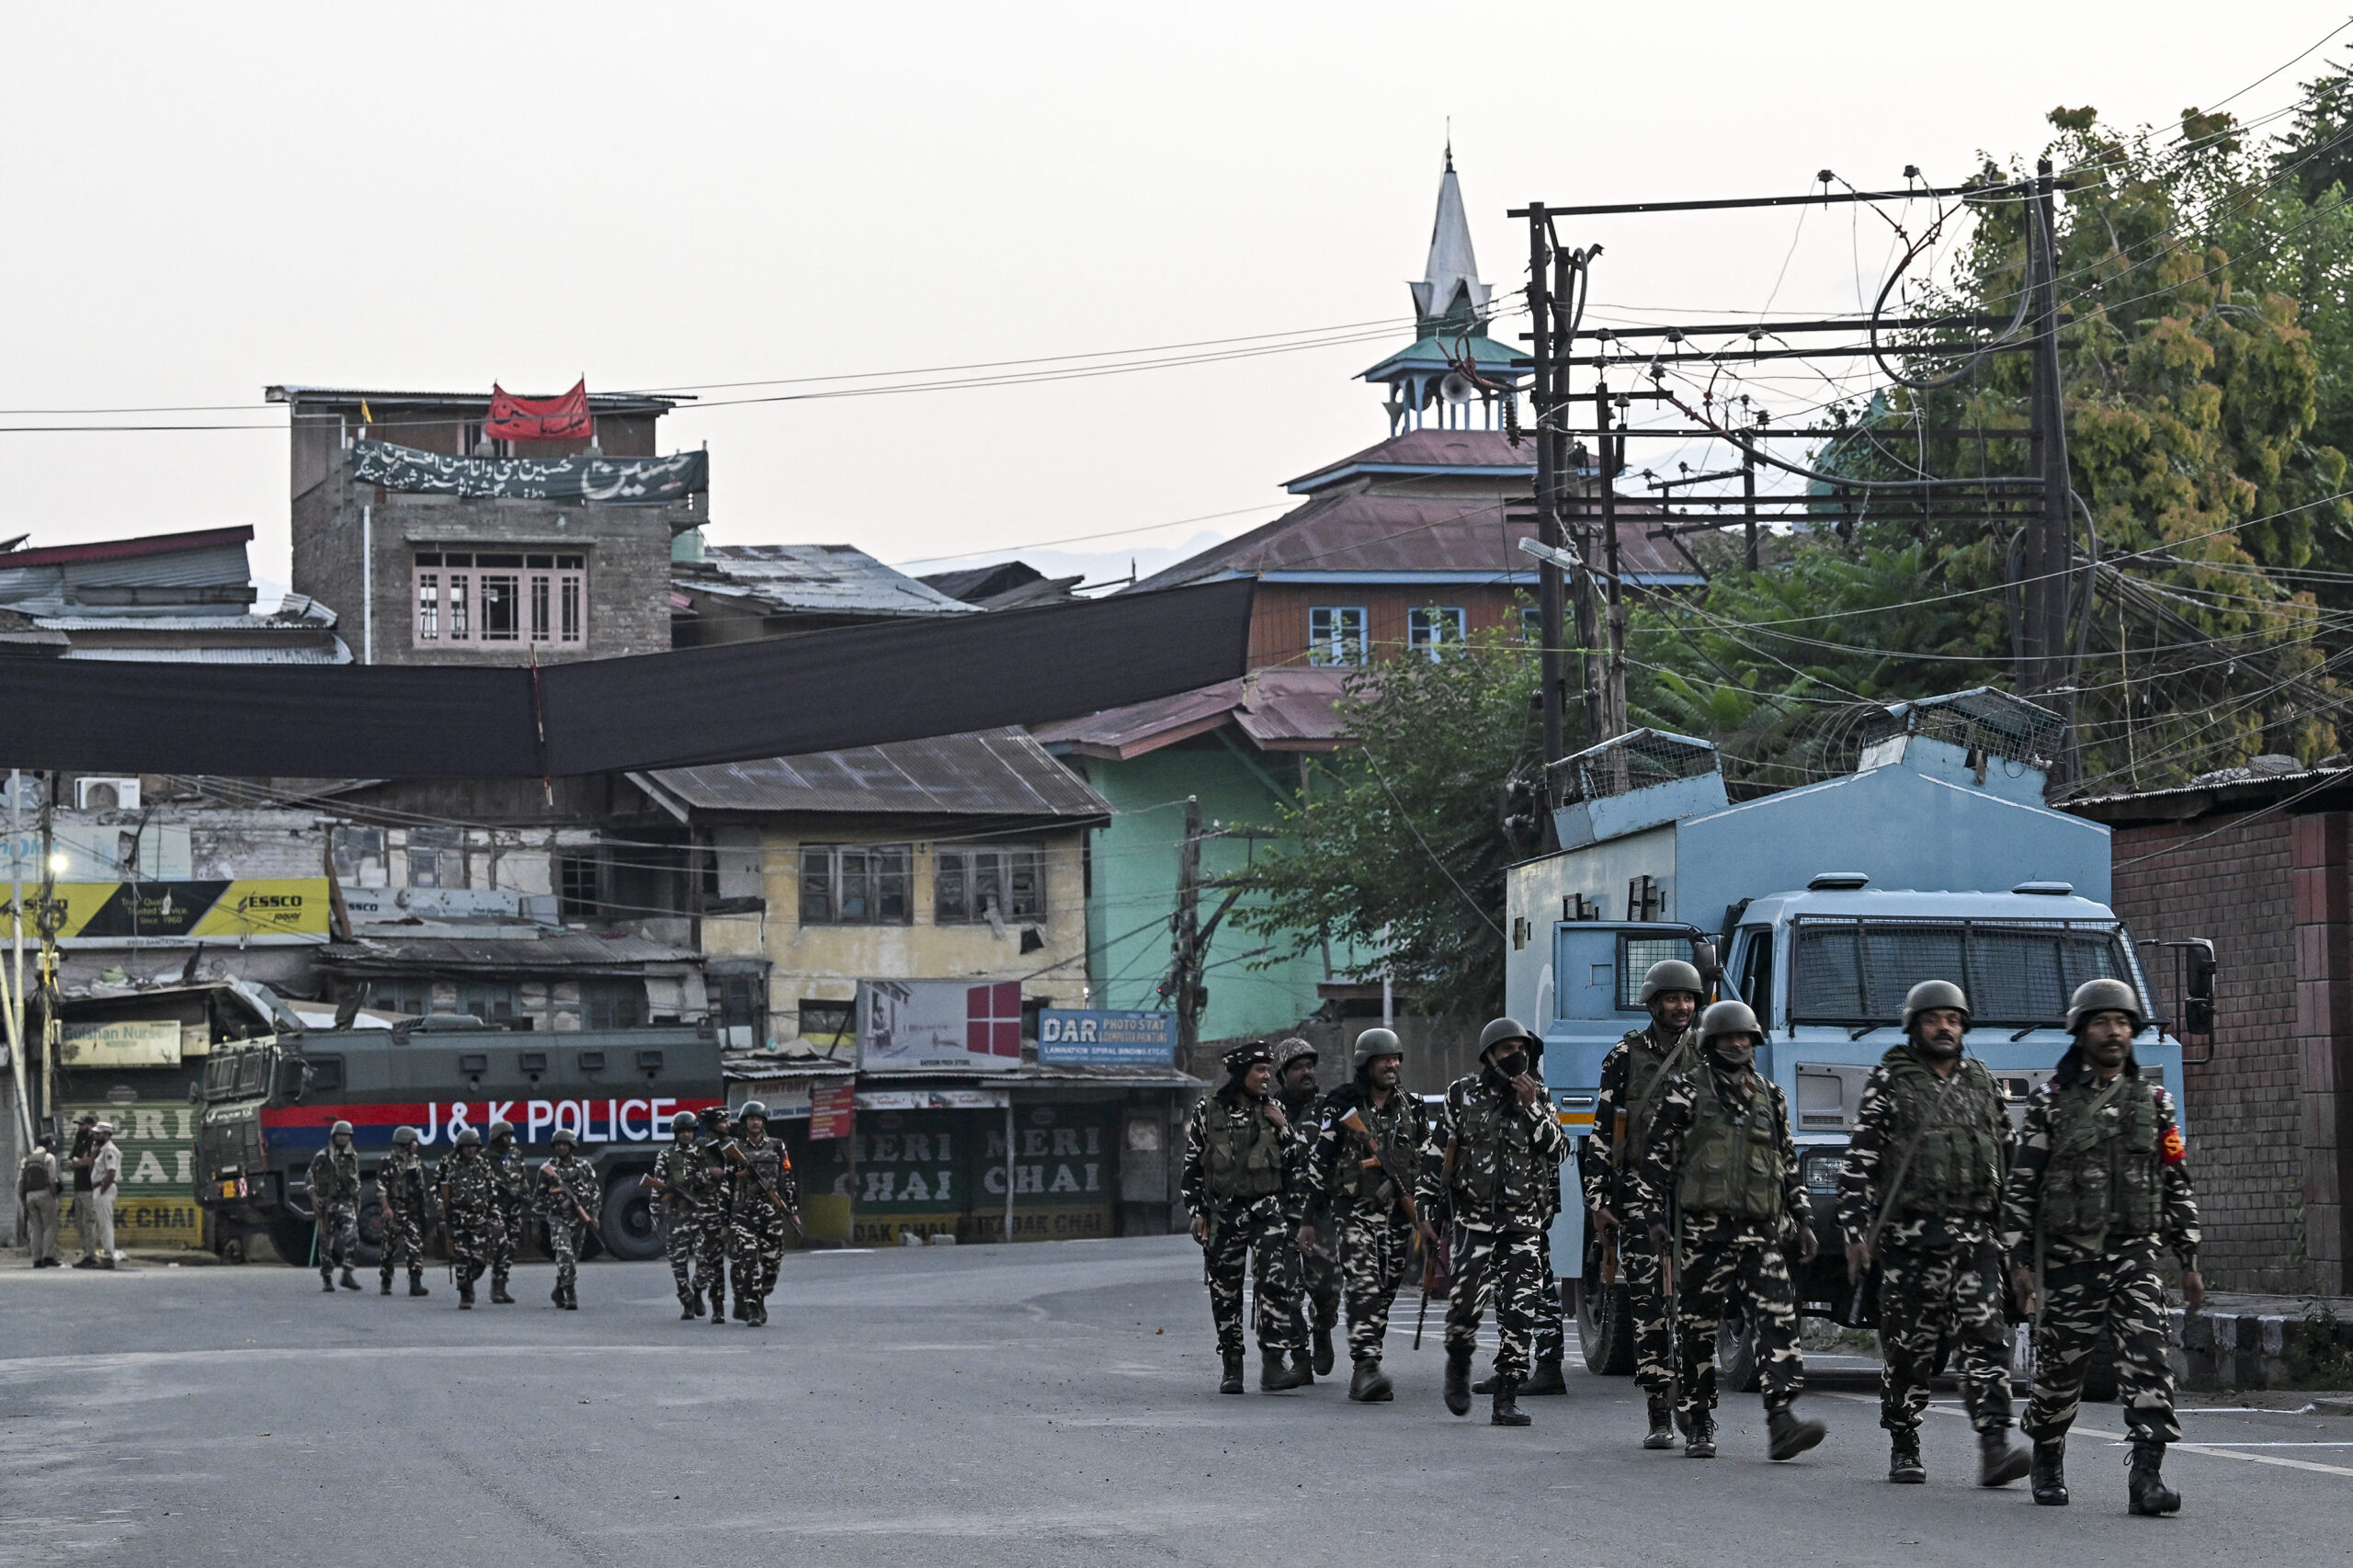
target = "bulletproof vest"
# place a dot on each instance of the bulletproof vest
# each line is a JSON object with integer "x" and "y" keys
{"x": 336, "y": 1177}
{"x": 1495, "y": 1154}
{"x": 768, "y": 1163}
{"x": 2105, "y": 1180}
{"x": 1731, "y": 1165}
{"x": 402, "y": 1178}
{"x": 471, "y": 1183}
{"x": 1390, "y": 1126}
{"x": 1240, "y": 1150}
{"x": 1956, "y": 1156}
{"x": 506, "y": 1173}
{"x": 680, "y": 1169}
{"x": 711, "y": 1168}
{"x": 35, "y": 1177}
{"x": 1645, "y": 1089}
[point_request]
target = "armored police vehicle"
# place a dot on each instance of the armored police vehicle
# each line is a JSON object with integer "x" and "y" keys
{"x": 1935, "y": 858}
{"x": 270, "y": 1102}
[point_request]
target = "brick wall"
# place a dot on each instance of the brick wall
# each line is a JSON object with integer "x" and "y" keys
{"x": 2244, "y": 1110}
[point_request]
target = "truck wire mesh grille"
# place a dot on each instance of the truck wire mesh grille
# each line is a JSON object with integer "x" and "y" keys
{"x": 1634, "y": 761}
{"x": 2014, "y": 972}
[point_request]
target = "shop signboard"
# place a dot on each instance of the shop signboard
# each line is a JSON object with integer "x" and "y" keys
{"x": 126, "y": 914}
{"x": 935, "y": 1026}
{"x": 155, "y": 1205}
{"x": 1072, "y": 1038}
{"x": 121, "y": 1042}
{"x": 830, "y": 1108}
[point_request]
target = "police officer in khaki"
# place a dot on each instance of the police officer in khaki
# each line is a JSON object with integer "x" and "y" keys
{"x": 37, "y": 1188}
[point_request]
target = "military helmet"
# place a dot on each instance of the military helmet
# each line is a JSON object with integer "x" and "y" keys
{"x": 2103, "y": 996}
{"x": 468, "y": 1138}
{"x": 1292, "y": 1050}
{"x": 1503, "y": 1029}
{"x": 403, "y": 1134}
{"x": 1731, "y": 1015}
{"x": 1241, "y": 1058}
{"x": 1931, "y": 994}
{"x": 563, "y": 1135}
{"x": 501, "y": 1129}
{"x": 340, "y": 1130}
{"x": 751, "y": 1109}
{"x": 713, "y": 1116}
{"x": 1375, "y": 1043}
{"x": 682, "y": 1123}
{"x": 1673, "y": 974}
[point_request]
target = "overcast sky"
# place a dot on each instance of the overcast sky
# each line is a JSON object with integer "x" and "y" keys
{"x": 205, "y": 200}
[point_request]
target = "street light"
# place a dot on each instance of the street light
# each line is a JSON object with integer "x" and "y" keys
{"x": 1553, "y": 555}
{"x": 59, "y": 863}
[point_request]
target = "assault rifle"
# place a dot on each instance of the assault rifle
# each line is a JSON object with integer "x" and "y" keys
{"x": 548, "y": 1172}
{"x": 734, "y": 1154}
{"x": 1354, "y": 1122}
{"x": 1895, "y": 1190}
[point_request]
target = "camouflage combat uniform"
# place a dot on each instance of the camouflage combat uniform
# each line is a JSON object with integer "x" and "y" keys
{"x": 713, "y": 1223}
{"x": 335, "y": 1200}
{"x": 758, "y": 1228}
{"x": 1319, "y": 1266}
{"x": 563, "y": 1182}
{"x": 2100, "y": 1185}
{"x": 1634, "y": 1079}
{"x": 402, "y": 1177}
{"x": 470, "y": 1196}
{"x": 677, "y": 1212}
{"x": 1720, "y": 1148}
{"x": 1376, "y": 1239}
{"x": 1499, "y": 1184}
{"x": 1941, "y": 1278}
{"x": 510, "y": 1181}
{"x": 1241, "y": 1177}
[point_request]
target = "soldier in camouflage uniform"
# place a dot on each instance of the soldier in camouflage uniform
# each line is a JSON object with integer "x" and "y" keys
{"x": 470, "y": 1204}
{"x": 767, "y": 1202}
{"x": 402, "y": 1179}
{"x": 510, "y": 1191}
{"x": 1240, "y": 1185}
{"x": 2100, "y": 1185}
{"x": 677, "y": 1185}
{"x": 567, "y": 1193}
{"x": 1493, "y": 1150}
{"x": 1720, "y": 1185}
{"x": 710, "y": 1248}
{"x": 334, "y": 1206}
{"x": 1921, "y": 1196}
{"x": 1319, "y": 1266}
{"x": 1634, "y": 1079}
{"x": 1372, "y": 1208}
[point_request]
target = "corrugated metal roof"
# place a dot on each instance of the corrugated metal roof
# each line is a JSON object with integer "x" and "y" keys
{"x": 556, "y": 950}
{"x": 331, "y": 652}
{"x": 295, "y": 612}
{"x": 1436, "y": 451}
{"x": 1279, "y": 710}
{"x": 126, "y": 549}
{"x": 832, "y": 578}
{"x": 996, "y": 773}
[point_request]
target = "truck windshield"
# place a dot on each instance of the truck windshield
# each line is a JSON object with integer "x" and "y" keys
{"x": 2015, "y": 972}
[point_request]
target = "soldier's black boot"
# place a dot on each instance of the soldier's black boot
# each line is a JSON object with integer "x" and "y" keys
{"x": 1903, "y": 1466}
{"x": 556, "y": 1295}
{"x": 718, "y": 1309}
{"x": 326, "y": 1279}
{"x": 385, "y": 1287}
{"x": 347, "y": 1282}
{"x": 1302, "y": 1368}
{"x": 2000, "y": 1461}
{"x": 1485, "y": 1386}
{"x": 1546, "y": 1378}
{"x": 1504, "y": 1411}
{"x": 465, "y": 1295}
{"x": 1231, "y": 1384}
{"x": 1324, "y": 1352}
{"x": 1371, "y": 1385}
{"x": 2147, "y": 1489}
{"x": 1700, "y": 1436}
{"x": 694, "y": 1303}
{"x": 1660, "y": 1410}
{"x": 1274, "y": 1377}
{"x": 416, "y": 1283}
{"x": 498, "y": 1296}
{"x": 2048, "y": 1478}
{"x": 571, "y": 1296}
{"x": 1788, "y": 1436}
{"x": 1458, "y": 1382}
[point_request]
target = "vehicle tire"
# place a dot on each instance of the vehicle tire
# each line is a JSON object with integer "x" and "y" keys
{"x": 631, "y": 1233}
{"x": 291, "y": 1234}
{"x": 372, "y": 1230}
{"x": 1736, "y": 1356}
{"x": 1606, "y": 1330}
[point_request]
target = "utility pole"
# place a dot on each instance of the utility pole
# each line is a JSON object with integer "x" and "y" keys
{"x": 1613, "y": 589}
{"x": 1748, "y": 492}
{"x": 1550, "y": 445}
{"x": 1185, "y": 945}
{"x": 1590, "y": 630}
{"x": 2045, "y": 562}
{"x": 51, "y": 920}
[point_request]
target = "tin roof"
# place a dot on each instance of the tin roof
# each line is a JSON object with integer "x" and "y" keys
{"x": 1477, "y": 453}
{"x": 572, "y": 951}
{"x": 350, "y": 398}
{"x": 1287, "y": 708}
{"x": 838, "y": 579}
{"x": 990, "y": 773}
{"x": 128, "y": 549}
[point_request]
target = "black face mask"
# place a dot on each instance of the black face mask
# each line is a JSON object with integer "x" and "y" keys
{"x": 1512, "y": 1063}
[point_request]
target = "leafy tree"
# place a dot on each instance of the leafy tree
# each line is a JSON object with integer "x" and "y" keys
{"x": 1394, "y": 847}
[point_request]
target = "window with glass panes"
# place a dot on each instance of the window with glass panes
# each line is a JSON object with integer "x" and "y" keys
{"x": 475, "y": 597}
{"x": 854, "y": 884}
{"x": 1430, "y": 630}
{"x": 967, "y": 881}
{"x": 1335, "y": 634}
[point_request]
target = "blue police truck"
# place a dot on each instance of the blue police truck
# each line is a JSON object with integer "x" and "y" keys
{"x": 1821, "y": 906}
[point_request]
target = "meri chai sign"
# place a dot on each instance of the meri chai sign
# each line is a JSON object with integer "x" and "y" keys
{"x": 1076, "y": 1038}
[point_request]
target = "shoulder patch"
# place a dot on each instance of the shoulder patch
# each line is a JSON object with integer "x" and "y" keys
{"x": 2176, "y": 1147}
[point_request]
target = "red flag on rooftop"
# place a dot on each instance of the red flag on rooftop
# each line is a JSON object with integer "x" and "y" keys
{"x": 561, "y": 418}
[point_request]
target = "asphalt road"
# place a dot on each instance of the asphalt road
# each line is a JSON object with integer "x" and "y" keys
{"x": 1046, "y": 1403}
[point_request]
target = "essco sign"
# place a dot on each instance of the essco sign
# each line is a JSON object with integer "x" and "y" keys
{"x": 1076, "y": 1039}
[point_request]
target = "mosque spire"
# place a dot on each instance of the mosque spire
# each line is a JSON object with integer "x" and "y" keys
{"x": 1449, "y": 297}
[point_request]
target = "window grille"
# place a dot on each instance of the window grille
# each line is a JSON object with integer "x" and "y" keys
{"x": 2015, "y": 973}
